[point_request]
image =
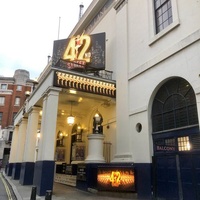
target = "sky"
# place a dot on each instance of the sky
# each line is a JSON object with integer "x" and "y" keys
{"x": 28, "y": 29}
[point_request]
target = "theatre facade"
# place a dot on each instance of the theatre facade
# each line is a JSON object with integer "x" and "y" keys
{"x": 120, "y": 104}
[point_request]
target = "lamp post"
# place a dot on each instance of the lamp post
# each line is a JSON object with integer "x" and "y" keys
{"x": 95, "y": 141}
{"x": 97, "y": 121}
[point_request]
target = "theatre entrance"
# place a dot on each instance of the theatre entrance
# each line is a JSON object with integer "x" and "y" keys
{"x": 176, "y": 141}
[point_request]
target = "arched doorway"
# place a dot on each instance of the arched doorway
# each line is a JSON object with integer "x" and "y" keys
{"x": 176, "y": 141}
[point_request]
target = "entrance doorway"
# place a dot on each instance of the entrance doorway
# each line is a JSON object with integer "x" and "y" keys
{"x": 176, "y": 141}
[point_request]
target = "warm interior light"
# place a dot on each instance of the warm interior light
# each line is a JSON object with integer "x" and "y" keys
{"x": 72, "y": 91}
{"x": 80, "y": 99}
{"x": 60, "y": 134}
{"x": 97, "y": 117}
{"x": 27, "y": 93}
{"x": 38, "y": 134}
{"x": 70, "y": 120}
{"x": 79, "y": 127}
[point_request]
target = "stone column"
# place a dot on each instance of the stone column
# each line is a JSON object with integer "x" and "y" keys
{"x": 44, "y": 167}
{"x": 27, "y": 168}
{"x": 20, "y": 149}
{"x": 123, "y": 146}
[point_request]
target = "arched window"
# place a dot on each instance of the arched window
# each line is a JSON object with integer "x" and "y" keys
{"x": 174, "y": 106}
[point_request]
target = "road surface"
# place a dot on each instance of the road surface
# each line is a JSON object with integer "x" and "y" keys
{"x": 6, "y": 192}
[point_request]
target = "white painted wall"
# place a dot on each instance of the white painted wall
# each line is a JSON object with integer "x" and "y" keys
{"x": 175, "y": 54}
{"x": 150, "y": 60}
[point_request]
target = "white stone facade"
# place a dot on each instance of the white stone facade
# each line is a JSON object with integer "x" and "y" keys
{"x": 141, "y": 61}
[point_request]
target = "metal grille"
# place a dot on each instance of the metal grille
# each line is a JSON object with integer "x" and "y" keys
{"x": 195, "y": 141}
{"x": 174, "y": 106}
{"x": 184, "y": 144}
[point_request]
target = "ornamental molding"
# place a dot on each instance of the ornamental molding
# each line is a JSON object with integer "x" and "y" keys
{"x": 86, "y": 84}
{"x": 120, "y": 4}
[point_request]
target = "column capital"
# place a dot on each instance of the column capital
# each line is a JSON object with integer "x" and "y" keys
{"x": 34, "y": 109}
{"x": 51, "y": 91}
{"x": 23, "y": 120}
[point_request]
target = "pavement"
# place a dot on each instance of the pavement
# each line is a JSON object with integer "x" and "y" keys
{"x": 63, "y": 192}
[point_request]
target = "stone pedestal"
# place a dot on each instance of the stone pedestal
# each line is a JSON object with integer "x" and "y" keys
{"x": 95, "y": 149}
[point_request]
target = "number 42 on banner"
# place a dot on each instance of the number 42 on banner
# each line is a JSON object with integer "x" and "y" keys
{"x": 77, "y": 48}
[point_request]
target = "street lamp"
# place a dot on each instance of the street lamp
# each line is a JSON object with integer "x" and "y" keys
{"x": 71, "y": 118}
{"x": 97, "y": 121}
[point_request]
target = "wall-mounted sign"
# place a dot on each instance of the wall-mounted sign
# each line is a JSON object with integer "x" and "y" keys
{"x": 81, "y": 172}
{"x": 80, "y": 52}
{"x": 165, "y": 148}
{"x": 116, "y": 178}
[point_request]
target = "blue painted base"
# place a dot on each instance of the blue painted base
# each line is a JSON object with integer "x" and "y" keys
{"x": 16, "y": 171}
{"x": 90, "y": 178}
{"x": 9, "y": 168}
{"x": 143, "y": 180}
{"x": 43, "y": 176}
{"x": 26, "y": 174}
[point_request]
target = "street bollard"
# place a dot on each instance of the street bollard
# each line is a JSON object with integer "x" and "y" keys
{"x": 48, "y": 195}
{"x": 33, "y": 193}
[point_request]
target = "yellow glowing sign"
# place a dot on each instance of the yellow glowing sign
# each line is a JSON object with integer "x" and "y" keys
{"x": 115, "y": 178}
{"x": 77, "y": 48}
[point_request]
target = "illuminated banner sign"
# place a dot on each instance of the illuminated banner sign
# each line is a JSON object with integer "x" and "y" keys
{"x": 116, "y": 179}
{"x": 80, "y": 52}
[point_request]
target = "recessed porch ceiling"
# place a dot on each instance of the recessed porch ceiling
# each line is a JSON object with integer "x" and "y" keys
{"x": 82, "y": 103}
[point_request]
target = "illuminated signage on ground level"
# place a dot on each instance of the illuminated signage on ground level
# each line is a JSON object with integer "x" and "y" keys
{"x": 116, "y": 179}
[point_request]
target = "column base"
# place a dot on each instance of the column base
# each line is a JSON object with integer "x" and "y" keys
{"x": 16, "y": 171}
{"x": 26, "y": 174}
{"x": 144, "y": 180}
{"x": 9, "y": 168}
{"x": 43, "y": 176}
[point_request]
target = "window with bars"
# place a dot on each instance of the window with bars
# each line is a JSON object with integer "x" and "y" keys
{"x": 184, "y": 144}
{"x": 163, "y": 14}
{"x": 174, "y": 106}
{"x": 170, "y": 142}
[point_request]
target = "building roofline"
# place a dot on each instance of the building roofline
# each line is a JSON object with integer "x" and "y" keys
{"x": 88, "y": 16}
